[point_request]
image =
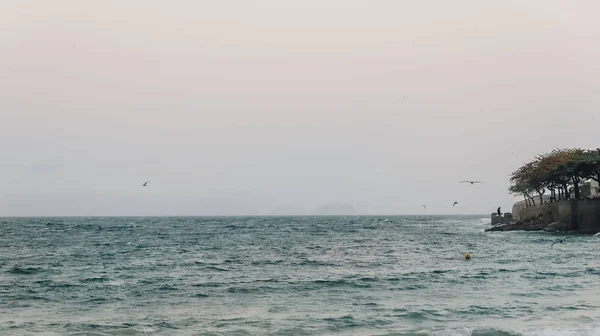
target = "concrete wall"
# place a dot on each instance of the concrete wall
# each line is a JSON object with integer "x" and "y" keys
{"x": 533, "y": 212}
{"x": 587, "y": 220}
{"x": 517, "y": 207}
{"x": 588, "y": 215}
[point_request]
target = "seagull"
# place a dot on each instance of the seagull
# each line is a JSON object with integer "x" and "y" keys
{"x": 597, "y": 234}
{"x": 472, "y": 182}
{"x": 424, "y": 206}
{"x": 145, "y": 184}
{"x": 559, "y": 241}
{"x": 455, "y": 203}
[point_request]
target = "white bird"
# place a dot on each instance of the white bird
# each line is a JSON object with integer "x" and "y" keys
{"x": 424, "y": 206}
{"x": 597, "y": 234}
{"x": 145, "y": 184}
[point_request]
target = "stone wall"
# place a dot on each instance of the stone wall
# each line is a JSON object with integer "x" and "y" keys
{"x": 588, "y": 215}
{"x": 533, "y": 212}
{"x": 517, "y": 207}
{"x": 587, "y": 220}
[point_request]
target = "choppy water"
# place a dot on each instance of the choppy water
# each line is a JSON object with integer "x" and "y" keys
{"x": 292, "y": 276}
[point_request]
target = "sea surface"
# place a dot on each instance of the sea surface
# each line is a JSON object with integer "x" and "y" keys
{"x": 293, "y": 276}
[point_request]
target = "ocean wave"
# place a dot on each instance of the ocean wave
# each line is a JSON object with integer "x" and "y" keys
{"x": 292, "y": 332}
{"x": 25, "y": 270}
{"x": 208, "y": 284}
{"x": 241, "y": 289}
{"x": 542, "y": 331}
{"x": 417, "y": 316}
{"x": 310, "y": 262}
{"x": 267, "y": 262}
{"x": 215, "y": 268}
{"x": 167, "y": 288}
{"x": 403, "y": 279}
{"x": 340, "y": 283}
{"x": 30, "y": 297}
{"x": 594, "y": 271}
{"x": 96, "y": 279}
{"x": 341, "y": 323}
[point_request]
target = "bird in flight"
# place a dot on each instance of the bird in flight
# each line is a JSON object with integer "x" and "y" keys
{"x": 145, "y": 184}
{"x": 424, "y": 206}
{"x": 455, "y": 203}
{"x": 472, "y": 182}
{"x": 559, "y": 241}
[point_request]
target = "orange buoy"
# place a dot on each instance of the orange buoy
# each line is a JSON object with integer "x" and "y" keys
{"x": 468, "y": 256}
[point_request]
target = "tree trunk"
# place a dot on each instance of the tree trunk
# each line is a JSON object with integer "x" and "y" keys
{"x": 559, "y": 193}
{"x": 576, "y": 187}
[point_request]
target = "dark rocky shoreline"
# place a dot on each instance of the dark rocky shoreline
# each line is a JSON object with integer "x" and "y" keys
{"x": 518, "y": 226}
{"x": 539, "y": 223}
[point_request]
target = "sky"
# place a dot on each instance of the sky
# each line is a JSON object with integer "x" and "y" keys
{"x": 241, "y": 107}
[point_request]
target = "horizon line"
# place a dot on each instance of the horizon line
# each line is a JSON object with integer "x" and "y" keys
{"x": 253, "y": 215}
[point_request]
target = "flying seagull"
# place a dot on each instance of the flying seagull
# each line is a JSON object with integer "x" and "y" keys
{"x": 559, "y": 241}
{"x": 472, "y": 182}
{"x": 597, "y": 234}
{"x": 455, "y": 203}
{"x": 145, "y": 184}
{"x": 424, "y": 206}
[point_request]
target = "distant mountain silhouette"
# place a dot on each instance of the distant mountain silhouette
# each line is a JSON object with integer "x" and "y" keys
{"x": 288, "y": 210}
{"x": 335, "y": 209}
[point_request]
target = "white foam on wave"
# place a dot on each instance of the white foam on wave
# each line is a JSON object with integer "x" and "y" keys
{"x": 540, "y": 331}
{"x": 557, "y": 331}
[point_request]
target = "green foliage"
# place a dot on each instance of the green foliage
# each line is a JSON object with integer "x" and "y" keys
{"x": 556, "y": 171}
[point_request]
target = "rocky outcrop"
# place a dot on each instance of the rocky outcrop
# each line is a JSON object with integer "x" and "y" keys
{"x": 518, "y": 226}
{"x": 538, "y": 223}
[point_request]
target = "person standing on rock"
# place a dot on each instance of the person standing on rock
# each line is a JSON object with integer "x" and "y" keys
{"x": 499, "y": 213}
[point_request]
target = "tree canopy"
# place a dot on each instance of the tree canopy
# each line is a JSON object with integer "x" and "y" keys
{"x": 558, "y": 171}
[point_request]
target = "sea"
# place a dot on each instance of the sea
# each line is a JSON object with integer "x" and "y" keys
{"x": 357, "y": 275}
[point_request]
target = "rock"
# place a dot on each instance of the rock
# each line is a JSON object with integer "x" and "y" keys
{"x": 520, "y": 226}
{"x": 552, "y": 226}
{"x": 506, "y": 227}
{"x": 537, "y": 223}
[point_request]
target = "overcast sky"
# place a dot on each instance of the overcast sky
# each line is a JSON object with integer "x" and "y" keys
{"x": 239, "y": 107}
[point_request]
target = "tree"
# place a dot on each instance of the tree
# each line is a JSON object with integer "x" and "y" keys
{"x": 556, "y": 171}
{"x": 554, "y": 175}
{"x": 588, "y": 164}
{"x": 525, "y": 191}
{"x": 524, "y": 182}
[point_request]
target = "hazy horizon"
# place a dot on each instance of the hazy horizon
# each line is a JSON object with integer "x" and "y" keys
{"x": 236, "y": 108}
